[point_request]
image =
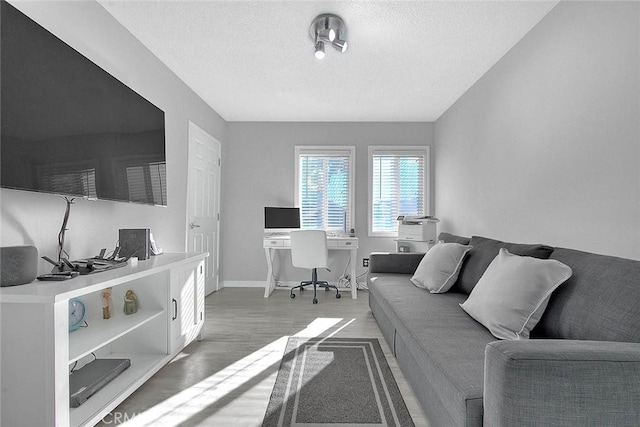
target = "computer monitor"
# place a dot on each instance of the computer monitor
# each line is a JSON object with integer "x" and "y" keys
{"x": 279, "y": 219}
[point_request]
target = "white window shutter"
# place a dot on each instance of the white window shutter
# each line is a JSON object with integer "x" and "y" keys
{"x": 397, "y": 187}
{"x": 324, "y": 188}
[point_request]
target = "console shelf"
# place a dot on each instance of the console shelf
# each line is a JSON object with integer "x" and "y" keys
{"x": 38, "y": 351}
{"x": 86, "y": 340}
{"x": 141, "y": 369}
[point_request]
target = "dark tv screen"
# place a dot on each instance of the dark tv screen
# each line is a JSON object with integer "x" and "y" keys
{"x": 281, "y": 218}
{"x": 70, "y": 128}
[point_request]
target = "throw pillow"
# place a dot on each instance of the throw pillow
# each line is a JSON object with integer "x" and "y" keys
{"x": 484, "y": 251}
{"x": 439, "y": 268}
{"x": 513, "y": 293}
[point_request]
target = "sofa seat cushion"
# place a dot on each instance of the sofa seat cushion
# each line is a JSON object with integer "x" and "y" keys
{"x": 445, "y": 341}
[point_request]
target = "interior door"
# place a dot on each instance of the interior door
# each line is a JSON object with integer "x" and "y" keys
{"x": 204, "y": 201}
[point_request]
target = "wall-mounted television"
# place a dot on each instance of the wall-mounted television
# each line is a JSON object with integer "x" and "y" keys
{"x": 68, "y": 127}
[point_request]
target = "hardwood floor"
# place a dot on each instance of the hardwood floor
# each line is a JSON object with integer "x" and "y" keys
{"x": 226, "y": 379}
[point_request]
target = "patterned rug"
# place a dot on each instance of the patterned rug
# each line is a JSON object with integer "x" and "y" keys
{"x": 338, "y": 382}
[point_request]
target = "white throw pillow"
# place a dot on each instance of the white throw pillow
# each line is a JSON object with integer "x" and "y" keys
{"x": 513, "y": 293}
{"x": 439, "y": 268}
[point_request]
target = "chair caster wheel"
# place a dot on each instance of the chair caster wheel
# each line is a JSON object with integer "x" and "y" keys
{"x": 338, "y": 296}
{"x": 292, "y": 296}
{"x": 315, "y": 301}
{"x": 326, "y": 289}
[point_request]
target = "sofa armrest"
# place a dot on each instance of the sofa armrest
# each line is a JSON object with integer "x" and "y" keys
{"x": 402, "y": 263}
{"x": 562, "y": 383}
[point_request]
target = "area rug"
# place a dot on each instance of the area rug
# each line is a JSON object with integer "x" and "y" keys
{"x": 338, "y": 382}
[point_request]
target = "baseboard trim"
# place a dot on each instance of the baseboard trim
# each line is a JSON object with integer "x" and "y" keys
{"x": 260, "y": 284}
{"x": 243, "y": 283}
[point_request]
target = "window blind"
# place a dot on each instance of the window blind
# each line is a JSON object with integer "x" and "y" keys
{"x": 324, "y": 190}
{"x": 398, "y": 188}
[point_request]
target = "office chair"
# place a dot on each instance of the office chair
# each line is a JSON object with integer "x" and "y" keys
{"x": 309, "y": 250}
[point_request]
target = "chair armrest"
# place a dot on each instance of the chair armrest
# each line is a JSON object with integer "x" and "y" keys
{"x": 402, "y": 263}
{"x": 562, "y": 383}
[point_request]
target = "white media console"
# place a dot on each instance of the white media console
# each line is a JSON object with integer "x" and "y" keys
{"x": 38, "y": 351}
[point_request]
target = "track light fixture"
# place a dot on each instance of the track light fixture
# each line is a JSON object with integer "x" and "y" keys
{"x": 328, "y": 28}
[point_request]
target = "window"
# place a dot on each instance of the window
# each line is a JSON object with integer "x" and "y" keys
{"x": 398, "y": 186}
{"x": 324, "y": 187}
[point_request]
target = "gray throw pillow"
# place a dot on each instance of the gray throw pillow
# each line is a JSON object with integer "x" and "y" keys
{"x": 439, "y": 268}
{"x": 513, "y": 293}
{"x": 484, "y": 251}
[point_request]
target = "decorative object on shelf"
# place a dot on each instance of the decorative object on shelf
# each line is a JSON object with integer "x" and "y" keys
{"x": 107, "y": 304}
{"x": 130, "y": 302}
{"x": 60, "y": 266}
{"x": 19, "y": 265}
{"x": 77, "y": 313}
{"x": 328, "y": 28}
{"x": 61, "y": 252}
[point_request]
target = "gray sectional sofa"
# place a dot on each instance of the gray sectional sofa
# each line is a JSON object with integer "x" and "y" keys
{"x": 581, "y": 366}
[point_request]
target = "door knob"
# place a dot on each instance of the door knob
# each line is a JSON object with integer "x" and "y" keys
{"x": 194, "y": 225}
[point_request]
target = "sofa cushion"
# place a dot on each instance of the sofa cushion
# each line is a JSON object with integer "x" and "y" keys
{"x": 402, "y": 262}
{"x": 439, "y": 268}
{"x": 484, "y": 251}
{"x": 452, "y": 238}
{"x": 447, "y": 343}
{"x": 600, "y": 302}
{"x": 513, "y": 292}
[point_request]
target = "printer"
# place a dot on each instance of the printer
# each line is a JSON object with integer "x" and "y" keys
{"x": 417, "y": 228}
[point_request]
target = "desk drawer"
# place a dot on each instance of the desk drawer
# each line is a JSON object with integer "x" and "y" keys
{"x": 347, "y": 244}
{"x": 273, "y": 243}
{"x": 342, "y": 243}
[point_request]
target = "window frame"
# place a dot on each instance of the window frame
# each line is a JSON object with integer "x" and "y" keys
{"x": 327, "y": 150}
{"x": 422, "y": 150}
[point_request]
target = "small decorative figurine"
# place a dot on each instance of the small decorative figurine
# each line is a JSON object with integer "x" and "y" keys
{"x": 107, "y": 304}
{"x": 130, "y": 302}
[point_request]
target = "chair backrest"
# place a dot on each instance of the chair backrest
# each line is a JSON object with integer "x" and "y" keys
{"x": 309, "y": 249}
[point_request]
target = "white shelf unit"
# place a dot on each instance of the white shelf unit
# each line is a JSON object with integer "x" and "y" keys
{"x": 414, "y": 245}
{"x": 38, "y": 351}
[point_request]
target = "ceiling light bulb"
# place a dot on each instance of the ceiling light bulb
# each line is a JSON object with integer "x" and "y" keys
{"x": 341, "y": 45}
{"x": 319, "y": 50}
{"x": 327, "y": 35}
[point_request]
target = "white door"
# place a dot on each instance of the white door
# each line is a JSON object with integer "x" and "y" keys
{"x": 204, "y": 201}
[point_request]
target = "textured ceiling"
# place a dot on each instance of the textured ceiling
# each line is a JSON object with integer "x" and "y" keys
{"x": 254, "y": 61}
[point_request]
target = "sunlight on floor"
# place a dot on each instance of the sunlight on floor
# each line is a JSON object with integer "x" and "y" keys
{"x": 191, "y": 403}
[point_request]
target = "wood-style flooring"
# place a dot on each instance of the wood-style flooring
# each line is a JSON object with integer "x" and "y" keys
{"x": 226, "y": 379}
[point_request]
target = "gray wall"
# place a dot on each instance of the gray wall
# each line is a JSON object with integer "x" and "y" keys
{"x": 258, "y": 171}
{"x": 31, "y": 218}
{"x": 545, "y": 147}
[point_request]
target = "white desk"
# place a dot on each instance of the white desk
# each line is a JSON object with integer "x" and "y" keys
{"x": 283, "y": 242}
